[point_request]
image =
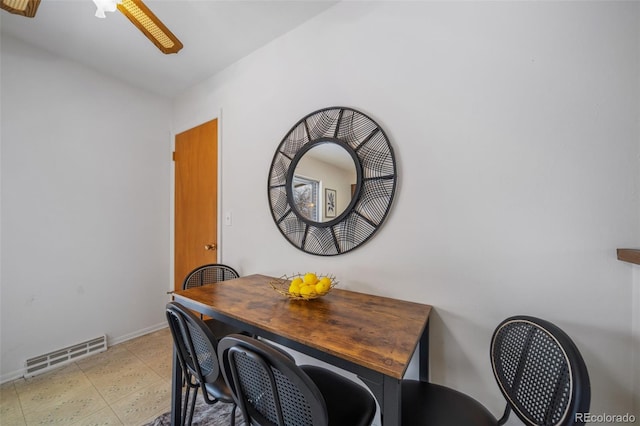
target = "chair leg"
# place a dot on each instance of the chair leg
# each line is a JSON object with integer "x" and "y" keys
{"x": 233, "y": 415}
{"x": 193, "y": 405}
{"x": 187, "y": 392}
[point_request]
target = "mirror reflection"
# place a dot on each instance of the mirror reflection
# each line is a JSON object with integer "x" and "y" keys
{"x": 324, "y": 182}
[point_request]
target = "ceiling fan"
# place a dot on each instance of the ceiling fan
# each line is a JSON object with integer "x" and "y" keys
{"x": 135, "y": 10}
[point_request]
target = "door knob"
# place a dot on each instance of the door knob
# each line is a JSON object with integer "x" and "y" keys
{"x": 210, "y": 246}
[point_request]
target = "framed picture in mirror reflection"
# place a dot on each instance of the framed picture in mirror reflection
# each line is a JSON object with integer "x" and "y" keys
{"x": 330, "y": 202}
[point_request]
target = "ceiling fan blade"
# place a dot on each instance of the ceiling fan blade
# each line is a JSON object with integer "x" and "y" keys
{"x": 26, "y": 8}
{"x": 143, "y": 18}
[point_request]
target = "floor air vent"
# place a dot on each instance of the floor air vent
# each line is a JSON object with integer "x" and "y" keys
{"x": 46, "y": 362}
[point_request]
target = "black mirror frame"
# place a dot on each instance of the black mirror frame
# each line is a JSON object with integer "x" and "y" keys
{"x": 375, "y": 163}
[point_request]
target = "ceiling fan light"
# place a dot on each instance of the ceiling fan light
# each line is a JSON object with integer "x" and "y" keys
{"x": 150, "y": 25}
{"x": 26, "y": 8}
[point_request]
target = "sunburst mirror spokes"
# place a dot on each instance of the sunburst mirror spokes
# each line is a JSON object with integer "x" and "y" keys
{"x": 332, "y": 181}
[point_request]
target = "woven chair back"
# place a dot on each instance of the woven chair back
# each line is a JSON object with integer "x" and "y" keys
{"x": 270, "y": 389}
{"x": 195, "y": 343}
{"x": 209, "y": 274}
{"x": 540, "y": 372}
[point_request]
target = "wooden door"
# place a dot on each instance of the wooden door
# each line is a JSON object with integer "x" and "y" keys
{"x": 196, "y": 199}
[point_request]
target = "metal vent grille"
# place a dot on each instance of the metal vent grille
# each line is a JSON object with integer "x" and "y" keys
{"x": 55, "y": 359}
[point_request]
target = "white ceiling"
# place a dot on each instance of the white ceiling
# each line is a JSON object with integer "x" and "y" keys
{"x": 215, "y": 34}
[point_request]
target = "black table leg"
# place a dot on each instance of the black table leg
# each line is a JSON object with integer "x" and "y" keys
{"x": 424, "y": 354}
{"x": 391, "y": 401}
{"x": 388, "y": 392}
{"x": 391, "y": 409}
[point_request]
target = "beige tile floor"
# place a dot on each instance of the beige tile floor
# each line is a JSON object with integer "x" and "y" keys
{"x": 129, "y": 384}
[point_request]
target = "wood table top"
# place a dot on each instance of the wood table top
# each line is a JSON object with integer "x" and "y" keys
{"x": 376, "y": 332}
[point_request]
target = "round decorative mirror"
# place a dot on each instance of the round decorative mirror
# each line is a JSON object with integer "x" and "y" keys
{"x": 332, "y": 181}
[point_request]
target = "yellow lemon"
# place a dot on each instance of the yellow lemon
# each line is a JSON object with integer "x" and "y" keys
{"x": 310, "y": 278}
{"x": 294, "y": 289}
{"x": 326, "y": 281}
{"x": 322, "y": 287}
{"x": 297, "y": 281}
{"x": 307, "y": 291}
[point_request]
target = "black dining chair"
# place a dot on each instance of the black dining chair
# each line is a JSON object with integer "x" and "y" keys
{"x": 196, "y": 347}
{"x": 210, "y": 274}
{"x": 271, "y": 390}
{"x": 538, "y": 369}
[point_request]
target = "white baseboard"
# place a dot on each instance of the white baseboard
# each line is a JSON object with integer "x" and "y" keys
{"x": 18, "y": 374}
{"x": 116, "y": 340}
{"x": 11, "y": 376}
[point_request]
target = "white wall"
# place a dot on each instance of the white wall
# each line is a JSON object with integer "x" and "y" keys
{"x": 515, "y": 126}
{"x": 85, "y": 206}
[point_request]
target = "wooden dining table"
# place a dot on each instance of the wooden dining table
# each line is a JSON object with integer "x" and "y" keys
{"x": 371, "y": 336}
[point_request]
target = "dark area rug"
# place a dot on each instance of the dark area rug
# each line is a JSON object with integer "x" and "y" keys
{"x": 205, "y": 415}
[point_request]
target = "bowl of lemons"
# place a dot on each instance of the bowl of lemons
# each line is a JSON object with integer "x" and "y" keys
{"x": 307, "y": 286}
